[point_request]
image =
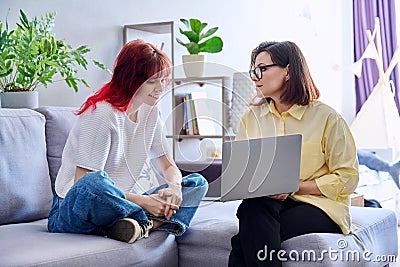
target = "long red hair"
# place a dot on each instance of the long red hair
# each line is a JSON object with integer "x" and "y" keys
{"x": 136, "y": 62}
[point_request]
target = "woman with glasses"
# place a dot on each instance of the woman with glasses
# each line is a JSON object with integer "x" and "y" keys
{"x": 287, "y": 104}
{"x": 98, "y": 187}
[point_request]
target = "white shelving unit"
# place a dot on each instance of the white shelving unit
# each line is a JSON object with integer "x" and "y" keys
{"x": 212, "y": 117}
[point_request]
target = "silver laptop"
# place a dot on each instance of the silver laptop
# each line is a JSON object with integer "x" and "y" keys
{"x": 260, "y": 167}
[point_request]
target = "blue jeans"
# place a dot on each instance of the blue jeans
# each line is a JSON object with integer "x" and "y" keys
{"x": 372, "y": 161}
{"x": 94, "y": 204}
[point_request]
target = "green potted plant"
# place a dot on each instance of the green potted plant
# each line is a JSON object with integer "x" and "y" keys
{"x": 200, "y": 41}
{"x": 30, "y": 56}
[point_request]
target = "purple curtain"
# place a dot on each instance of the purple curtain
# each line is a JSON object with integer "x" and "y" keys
{"x": 364, "y": 13}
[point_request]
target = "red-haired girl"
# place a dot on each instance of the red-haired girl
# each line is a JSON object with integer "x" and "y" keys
{"x": 102, "y": 186}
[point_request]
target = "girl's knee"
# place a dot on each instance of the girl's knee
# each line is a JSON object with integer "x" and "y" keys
{"x": 194, "y": 180}
{"x": 98, "y": 183}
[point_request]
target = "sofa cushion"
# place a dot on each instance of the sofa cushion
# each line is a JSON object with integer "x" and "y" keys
{"x": 209, "y": 234}
{"x": 215, "y": 223}
{"x": 375, "y": 237}
{"x": 24, "y": 177}
{"x": 59, "y": 121}
{"x": 30, "y": 244}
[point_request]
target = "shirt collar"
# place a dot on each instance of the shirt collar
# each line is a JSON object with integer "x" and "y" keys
{"x": 296, "y": 111}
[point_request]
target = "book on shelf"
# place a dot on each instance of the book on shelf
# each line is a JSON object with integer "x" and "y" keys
{"x": 193, "y": 115}
{"x": 189, "y": 115}
{"x": 205, "y": 117}
{"x": 198, "y": 117}
{"x": 185, "y": 116}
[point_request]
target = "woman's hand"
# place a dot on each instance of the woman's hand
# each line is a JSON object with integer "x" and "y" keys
{"x": 281, "y": 197}
{"x": 173, "y": 196}
{"x": 157, "y": 206}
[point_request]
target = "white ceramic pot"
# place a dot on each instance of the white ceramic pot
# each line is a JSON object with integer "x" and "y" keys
{"x": 193, "y": 65}
{"x": 28, "y": 99}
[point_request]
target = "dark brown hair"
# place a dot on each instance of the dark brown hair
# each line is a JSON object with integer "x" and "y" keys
{"x": 301, "y": 88}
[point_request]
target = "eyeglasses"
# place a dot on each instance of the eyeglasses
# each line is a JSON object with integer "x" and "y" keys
{"x": 257, "y": 71}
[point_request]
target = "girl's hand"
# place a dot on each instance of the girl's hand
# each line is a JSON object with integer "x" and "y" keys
{"x": 173, "y": 196}
{"x": 157, "y": 206}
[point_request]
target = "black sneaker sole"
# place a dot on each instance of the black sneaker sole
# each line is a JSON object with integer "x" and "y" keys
{"x": 125, "y": 230}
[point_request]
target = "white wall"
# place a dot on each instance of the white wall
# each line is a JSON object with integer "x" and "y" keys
{"x": 322, "y": 29}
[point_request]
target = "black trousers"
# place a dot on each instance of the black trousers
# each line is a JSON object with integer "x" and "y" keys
{"x": 268, "y": 222}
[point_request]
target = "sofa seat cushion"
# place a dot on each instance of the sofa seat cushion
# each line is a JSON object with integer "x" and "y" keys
{"x": 215, "y": 223}
{"x": 208, "y": 240}
{"x": 30, "y": 244}
{"x": 24, "y": 175}
{"x": 376, "y": 236}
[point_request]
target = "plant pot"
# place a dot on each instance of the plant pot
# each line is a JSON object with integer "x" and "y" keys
{"x": 28, "y": 99}
{"x": 193, "y": 65}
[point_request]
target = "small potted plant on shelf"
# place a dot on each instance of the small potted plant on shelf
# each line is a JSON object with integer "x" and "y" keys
{"x": 200, "y": 41}
{"x": 30, "y": 56}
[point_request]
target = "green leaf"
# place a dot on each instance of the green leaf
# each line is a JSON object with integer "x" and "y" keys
{"x": 23, "y": 72}
{"x": 45, "y": 46}
{"x": 191, "y": 35}
{"x": 186, "y": 22}
{"x": 195, "y": 25}
{"x": 208, "y": 33}
{"x": 47, "y": 78}
{"x": 31, "y": 32}
{"x": 180, "y": 42}
{"x": 8, "y": 65}
{"x": 101, "y": 66}
{"x": 9, "y": 56}
{"x": 202, "y": 26}
{"x": 83, "y": 49}
{"x": 68, "y": 82}
{"x": 84, "y": 83}
{"x": 193, "y": 48}
{"x": 73, "y": 84}
{"x": 23, "y": 18}
{"x": 212, "y": 45}
{"x": 19, "y": 26}
{"x": 5, "y": 74}
{"x": 31, "y": 72}
{"x": 51, "y": 63}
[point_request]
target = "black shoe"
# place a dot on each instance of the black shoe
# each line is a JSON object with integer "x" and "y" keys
{"x": 128, "y": 230}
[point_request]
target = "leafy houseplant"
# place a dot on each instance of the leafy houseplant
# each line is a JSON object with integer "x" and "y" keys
{"x": 200, "y": 41}
{"x": 30, "y": 56}
{"x": 197, "y": 39}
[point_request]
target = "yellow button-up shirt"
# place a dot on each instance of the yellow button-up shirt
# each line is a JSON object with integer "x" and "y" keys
{"x": 328, "y": 152}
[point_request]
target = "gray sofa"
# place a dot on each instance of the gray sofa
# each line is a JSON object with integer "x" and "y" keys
{"x": 31, "y": 143}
